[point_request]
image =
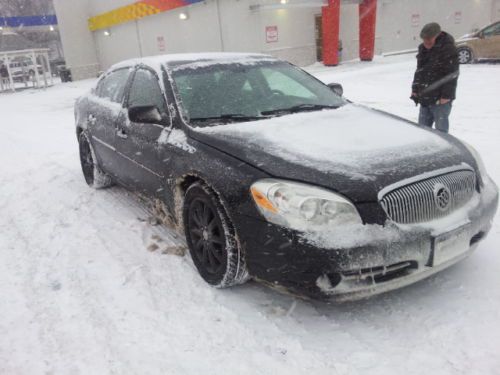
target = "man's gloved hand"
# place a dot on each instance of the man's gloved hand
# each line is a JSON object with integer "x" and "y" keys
{"x": 414, "y": 97}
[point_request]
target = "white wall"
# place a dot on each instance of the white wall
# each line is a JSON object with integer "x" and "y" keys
{"x": 78, "y": 42}
{"x": 400, "y": 21}
{"x": 244, "y": 29}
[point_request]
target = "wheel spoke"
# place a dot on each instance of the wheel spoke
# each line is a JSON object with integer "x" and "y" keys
{"x": 198, "y": 245}
{"x": 207, "y": 213}
{"x": 218, "y": 255}
{"x": 211, "y": 259}
{"x": 205, "y": 253}
{"x": 197, "y": 232}
{"x": 196, "y": 214}
{"x": 218, "y": 240}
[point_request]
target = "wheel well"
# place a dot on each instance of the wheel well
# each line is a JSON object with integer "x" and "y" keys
{"x": 181, "y": 187}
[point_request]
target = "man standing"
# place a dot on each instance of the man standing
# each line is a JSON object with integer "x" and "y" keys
{"x": 4, "y": 76}
{"x": 435, "y": 80}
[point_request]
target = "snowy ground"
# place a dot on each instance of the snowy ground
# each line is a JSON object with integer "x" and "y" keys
{"x": 81, "y": 293}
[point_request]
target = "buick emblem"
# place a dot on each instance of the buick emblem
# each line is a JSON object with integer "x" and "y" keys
{"x": 442, "y": 197}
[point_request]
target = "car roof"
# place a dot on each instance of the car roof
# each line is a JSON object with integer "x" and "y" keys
{"x": 156, "y": 62}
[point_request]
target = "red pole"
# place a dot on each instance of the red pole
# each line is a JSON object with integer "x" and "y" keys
{"x": 367, "y": 23}
{"x": 331, "y": 23}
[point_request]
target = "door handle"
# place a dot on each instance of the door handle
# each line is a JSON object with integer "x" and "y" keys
{"x": 91, "y": 119}
{"x": 120, "y": 133}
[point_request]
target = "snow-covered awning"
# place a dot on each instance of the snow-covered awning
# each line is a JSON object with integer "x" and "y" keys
{"x": 28, "y": 71}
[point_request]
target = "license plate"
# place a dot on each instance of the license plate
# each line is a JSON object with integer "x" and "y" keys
{"x": 450, "y": 245}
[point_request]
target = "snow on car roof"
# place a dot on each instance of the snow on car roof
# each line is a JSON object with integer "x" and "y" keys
{"x": 157, "y": 61}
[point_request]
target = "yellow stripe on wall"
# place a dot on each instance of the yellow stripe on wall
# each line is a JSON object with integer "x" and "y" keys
{"x": 121, "y": 15}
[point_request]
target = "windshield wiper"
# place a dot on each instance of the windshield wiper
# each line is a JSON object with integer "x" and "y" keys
{"x": 230, "y": 117}
{"x": 300, "y": 108}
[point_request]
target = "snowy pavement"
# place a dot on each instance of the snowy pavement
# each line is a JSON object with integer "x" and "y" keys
{"x": 82, "y": 292}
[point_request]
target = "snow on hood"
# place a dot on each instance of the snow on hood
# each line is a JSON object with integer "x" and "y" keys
{"x": 352, "y": 140}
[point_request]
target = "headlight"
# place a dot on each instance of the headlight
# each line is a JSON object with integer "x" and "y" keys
{"x": 479, "y": 161}
{"x": 300, "y": 206}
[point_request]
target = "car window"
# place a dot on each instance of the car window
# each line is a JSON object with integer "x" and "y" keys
{"x": 492, "y": 30}
{"x": 112, "y": 86}
{"x": 253, "y": 89}
{"x": 145, "y": 91}
{"x": 283, "y": 84}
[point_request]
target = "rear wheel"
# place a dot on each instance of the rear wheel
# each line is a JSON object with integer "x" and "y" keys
{"x": 464, "y": 56}
{"x": 211, "y": 238}
{"x": 93, "y": 174}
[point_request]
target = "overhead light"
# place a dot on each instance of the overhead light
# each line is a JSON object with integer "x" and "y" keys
{"x": 107, "y": 33}
{"x": 183, "y": 16}
{"x": 1, "y": 28}
{"x": 284, "y": 2}
{"x": 51, "y": 28}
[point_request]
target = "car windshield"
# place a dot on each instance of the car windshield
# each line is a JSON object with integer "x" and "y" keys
{"x": 228, "y": 92}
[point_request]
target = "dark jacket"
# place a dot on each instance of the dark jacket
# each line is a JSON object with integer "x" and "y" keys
{"x": 437, "y": 71}
{"x": 4, "y": 73}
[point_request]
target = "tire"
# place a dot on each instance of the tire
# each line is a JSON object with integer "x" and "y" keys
{"x": 211, "y": 238}
{"x": 93, "y": 174}
{"x": 465, "y": 56}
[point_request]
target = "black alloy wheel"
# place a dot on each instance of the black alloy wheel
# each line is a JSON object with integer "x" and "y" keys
{"x": 211, "y": 238}
{"x": 207, "y": 236}
{"x": 86, "y": 160}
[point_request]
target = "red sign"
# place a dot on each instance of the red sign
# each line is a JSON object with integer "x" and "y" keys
{"x": 271, "y": 34}
{"x": 161, "y": 43}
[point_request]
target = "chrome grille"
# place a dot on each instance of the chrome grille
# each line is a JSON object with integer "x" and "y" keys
{"x": 418, "y": 201}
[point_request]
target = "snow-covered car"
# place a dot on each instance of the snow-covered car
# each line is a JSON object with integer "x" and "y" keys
{"x": 273, "y": 175}
{"x": 481, "y": 45}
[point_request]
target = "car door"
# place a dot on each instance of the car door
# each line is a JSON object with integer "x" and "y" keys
{"x": 104, "y": 106}
{"x": 138, "y": 143}
{"x": 490, "y": 42}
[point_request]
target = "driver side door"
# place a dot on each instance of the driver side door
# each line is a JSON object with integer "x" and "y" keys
{"x": 138, "y": 143}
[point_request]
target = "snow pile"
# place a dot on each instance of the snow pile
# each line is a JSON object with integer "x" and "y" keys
{"x": 177, "y": 138}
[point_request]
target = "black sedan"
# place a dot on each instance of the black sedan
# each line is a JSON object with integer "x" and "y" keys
{"x": 273, "y": 175}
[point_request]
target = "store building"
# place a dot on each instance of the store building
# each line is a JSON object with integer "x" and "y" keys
{"x": 98, "y": 33}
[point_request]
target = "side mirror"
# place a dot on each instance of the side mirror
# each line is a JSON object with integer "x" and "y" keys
{"x": 480, "y": 35}
{"x": 336, "y": 88}
{"x": 145, "y": 114}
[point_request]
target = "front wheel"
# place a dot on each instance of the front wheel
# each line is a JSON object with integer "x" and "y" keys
{"x": 464, "y": 56}
{"x": 211, "y": 238}
{"x": 93, "y": 174}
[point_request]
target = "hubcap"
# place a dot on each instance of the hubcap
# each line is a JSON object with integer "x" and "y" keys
{"x": 206, "y": 235}
{"x": 464, "y": 56}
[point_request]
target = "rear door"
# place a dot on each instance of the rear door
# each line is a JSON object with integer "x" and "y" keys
{"x": 103, "y": 109}
{"x": 138, "y": 143}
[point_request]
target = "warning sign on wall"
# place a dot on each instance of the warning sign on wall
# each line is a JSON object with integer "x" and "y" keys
{"x": 458, "y": 17}
{"x": 415, "y": 20}
{"x": 160, "y": 41}
{"x": 271, "y": 34}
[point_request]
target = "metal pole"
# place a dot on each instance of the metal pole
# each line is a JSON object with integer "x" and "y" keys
{"x": 13, "y": 88}
{"x": 37, "y": 77}
{"x": 46, "y": 55}
{"x": 43, "y": 69}
{"x": 220, "y": 26}
{"x": 139, "y": 43}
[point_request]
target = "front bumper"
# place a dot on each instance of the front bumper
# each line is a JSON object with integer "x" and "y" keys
{"x": 357, "y": 262}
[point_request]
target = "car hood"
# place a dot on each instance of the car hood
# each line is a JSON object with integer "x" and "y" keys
{"x": 353, "y": 150}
